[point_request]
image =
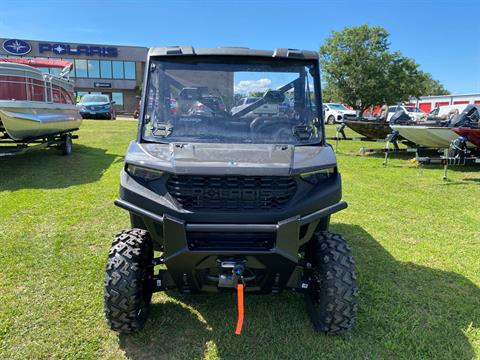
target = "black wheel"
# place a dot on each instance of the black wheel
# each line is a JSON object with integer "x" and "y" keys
{"x": 331, "y": 120}
{"x": 128, "y": 281}
{"x": 332, "y": 300}
{"x": 66, "y": 145}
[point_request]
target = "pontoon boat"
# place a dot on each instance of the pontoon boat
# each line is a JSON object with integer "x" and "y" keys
{"x": 34, "y": 105}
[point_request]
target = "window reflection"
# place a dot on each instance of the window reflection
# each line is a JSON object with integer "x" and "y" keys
{"x": 129, "y": 70}
{"x": 93, "y": 68}
{"x": 118, "y": 98}
{"x": 106, "y": 69}
{"x": 81, "y": 68}
{"x": 97, "y": 69}
{"x": 117, "y": 67}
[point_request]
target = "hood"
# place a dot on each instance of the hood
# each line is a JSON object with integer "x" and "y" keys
{"x": 230, "y": 159}
{"x": 93, "y": 104}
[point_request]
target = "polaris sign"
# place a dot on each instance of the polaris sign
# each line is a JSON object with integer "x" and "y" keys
{"x": 65, "y": 49}
{"x": 16, "y": 47}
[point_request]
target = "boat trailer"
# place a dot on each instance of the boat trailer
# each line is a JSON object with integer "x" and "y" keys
{"x": 61, "y": 141}
{"x": 457, "y": 154}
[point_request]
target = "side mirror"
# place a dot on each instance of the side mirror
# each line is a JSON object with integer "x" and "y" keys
{"x": 113, "y": 102}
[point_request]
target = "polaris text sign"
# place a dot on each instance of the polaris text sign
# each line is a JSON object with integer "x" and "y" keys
{"x": 16, "y": 47}
{"x": 66, "y": 49}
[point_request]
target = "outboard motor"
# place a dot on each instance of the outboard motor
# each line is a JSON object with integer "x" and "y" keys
{"x": 340, "y": 131}
{"x": 401, "y": 118}
{"x": 467, "y": 118}
{"x": 458, "y": 148}
{"x": 391, "y": 138}
{"x": 456, "y": 154}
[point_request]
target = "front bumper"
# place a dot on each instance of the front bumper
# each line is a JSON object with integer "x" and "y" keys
{"x": 268, "y": 251}
{"x": 99, "y": 113}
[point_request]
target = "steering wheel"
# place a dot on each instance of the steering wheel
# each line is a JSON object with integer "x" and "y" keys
{"x": 280, "y": 130}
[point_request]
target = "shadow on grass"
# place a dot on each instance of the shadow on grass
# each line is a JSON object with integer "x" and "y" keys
{"x": 48, "y": 169}
{"x": 405, "y": 311}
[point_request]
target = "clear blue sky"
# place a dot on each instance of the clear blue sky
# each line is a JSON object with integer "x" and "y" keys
{"x": 442, "y": 36}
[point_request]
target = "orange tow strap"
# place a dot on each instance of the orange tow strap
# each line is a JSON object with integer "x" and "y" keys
{"x": 238, "y": 329}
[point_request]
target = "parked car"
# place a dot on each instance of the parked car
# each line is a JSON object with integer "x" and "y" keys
{"x": 97, "y": 106}
{"x": 207, "y": 107}
{"x": 265, "y": 109}
{"x": 335, "y": 113}
{"x": 414, "y": 112}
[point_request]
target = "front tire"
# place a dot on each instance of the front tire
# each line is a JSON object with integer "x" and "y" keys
{"x": 332, "y": 299}
{"x": 331, "y": 120}
{"x": 128, "y": 281}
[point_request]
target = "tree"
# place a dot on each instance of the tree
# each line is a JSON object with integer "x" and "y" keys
{"x": 432, "y": 86}
{"x": 361, "y": 71}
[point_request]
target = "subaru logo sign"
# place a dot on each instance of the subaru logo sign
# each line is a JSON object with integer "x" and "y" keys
{"x": 16, "y": 47}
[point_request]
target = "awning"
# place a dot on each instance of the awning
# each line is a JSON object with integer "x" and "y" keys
{"x": 39, "y": 63}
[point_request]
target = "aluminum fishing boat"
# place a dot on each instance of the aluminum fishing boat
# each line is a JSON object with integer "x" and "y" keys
{"x": 427, "y": 136}
{"x": 35, "y": 105}
{"x": 371, "y": 129}
{"x": 440, "y": 137}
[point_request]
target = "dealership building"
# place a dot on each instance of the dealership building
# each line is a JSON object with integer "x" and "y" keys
{"x": 108, "y": 69}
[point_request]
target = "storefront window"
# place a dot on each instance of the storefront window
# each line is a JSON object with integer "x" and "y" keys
{"x": 129, "y": 70}
{"x": 117, "y": 67}
{"x": 118, "y": 98}
{"x": 81, "y": 68}
{"x": 106, "y": 69}
{"x": 93, "y": 69}
{"x": 55, "y": 71}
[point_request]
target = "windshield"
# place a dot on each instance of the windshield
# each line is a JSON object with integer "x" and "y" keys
{"x": 231, "y": 100}
{"x": 94, "y": 99}
{"x": 337, "y": 107}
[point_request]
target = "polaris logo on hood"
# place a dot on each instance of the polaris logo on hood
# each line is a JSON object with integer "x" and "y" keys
{"x": 66, "y": 49}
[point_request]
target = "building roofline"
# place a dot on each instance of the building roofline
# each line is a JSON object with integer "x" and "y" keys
{"x": 80, "y": 43}
{"x": 443, "y": 96}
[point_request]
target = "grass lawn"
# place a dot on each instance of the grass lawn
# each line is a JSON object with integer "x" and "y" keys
{"x": 415, "y": 238}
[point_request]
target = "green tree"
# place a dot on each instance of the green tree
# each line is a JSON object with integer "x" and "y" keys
{"x": 361, "y": 71}
{"x": 432, "y": 86}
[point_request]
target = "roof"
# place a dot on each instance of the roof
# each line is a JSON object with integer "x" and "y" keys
{"x": 235, "y": 51}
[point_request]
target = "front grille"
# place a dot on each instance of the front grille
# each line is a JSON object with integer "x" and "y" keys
{"x": 231, "y": 192}
{"x": 230, "y": 242}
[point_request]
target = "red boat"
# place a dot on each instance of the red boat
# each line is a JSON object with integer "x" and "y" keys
{"x": 473, "y": 135}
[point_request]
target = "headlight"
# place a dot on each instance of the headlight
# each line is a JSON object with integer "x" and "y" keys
{"x": 143, "y": 173}
{"x": 315, "y": 177}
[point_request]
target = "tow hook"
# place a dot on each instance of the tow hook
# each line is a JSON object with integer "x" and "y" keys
{"x": 234, "y": 278}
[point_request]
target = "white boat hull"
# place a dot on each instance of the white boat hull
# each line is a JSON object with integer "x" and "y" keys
{"x": 428, "y": 136}
{"x": 23, "y": 120}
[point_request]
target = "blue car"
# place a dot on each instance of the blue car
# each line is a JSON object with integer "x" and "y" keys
{"x": 97, "y": 106}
